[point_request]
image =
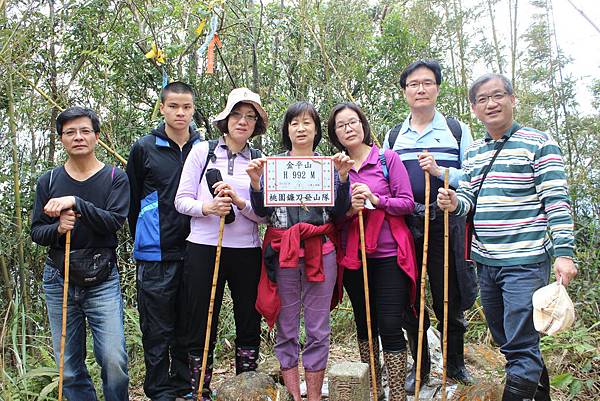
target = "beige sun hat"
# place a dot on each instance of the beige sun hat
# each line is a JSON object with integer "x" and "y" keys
{"x": 243, "y": 95}
{"x": 553, "y": 310}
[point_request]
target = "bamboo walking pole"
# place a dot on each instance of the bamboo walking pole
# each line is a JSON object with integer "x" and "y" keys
{"x": 446, "y": 267}
{"x": 361, "y": 225}
{"x": 211, "y": 307}
{"x": 422, "y": 295}
{"x": 63, "y": 334}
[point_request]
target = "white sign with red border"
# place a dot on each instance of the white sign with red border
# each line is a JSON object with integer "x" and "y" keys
{"x": 299, "y": 181}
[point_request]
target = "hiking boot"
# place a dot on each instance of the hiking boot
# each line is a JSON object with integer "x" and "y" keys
{"x": 457, "y": 371}
{"x": 518, "y": 389}
{"x": 246, "y": 359}
{"x": 395, "y": 363}
{"x": 291, "y": 380}
{"x": 411, "y": 380}
{"x": 363, "y": 349}
{"x": 314, "y": 384}
{"x": 195, "y": 362}
{"x": 543, "y": 387}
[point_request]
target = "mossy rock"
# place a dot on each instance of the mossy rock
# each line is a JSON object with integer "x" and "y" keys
{"x": 252, "y": 386}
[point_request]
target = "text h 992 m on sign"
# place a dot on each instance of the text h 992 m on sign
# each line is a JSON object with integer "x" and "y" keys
{"x": 299, "y": 181}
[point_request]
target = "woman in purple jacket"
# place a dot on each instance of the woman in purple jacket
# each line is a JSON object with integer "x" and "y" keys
{"x": 243, "y": 118}
{"x": 381, "y": 189}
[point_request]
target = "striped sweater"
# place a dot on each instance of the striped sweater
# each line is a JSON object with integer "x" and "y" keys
{"x": 523, "y": 209}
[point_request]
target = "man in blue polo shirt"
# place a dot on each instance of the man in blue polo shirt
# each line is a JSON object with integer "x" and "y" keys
{"x": 428, "y": 141}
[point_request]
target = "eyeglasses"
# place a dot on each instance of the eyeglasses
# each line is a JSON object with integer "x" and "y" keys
{"x": 427, "y": 84}
{"x": 237, "y": 116}
{"x": 342, "y": 126}
{"x": 496, "y": 97}
{"x": 83, "y": 131}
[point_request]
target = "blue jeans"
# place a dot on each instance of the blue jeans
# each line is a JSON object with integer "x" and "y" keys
{"x": 102, "y": 307}
{"x": 506, "y": 298}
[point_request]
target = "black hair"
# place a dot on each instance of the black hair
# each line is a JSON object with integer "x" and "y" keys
{"x": 486, "y": 78}
{"x": 295, "y": 110}
{"x": 363, "y": 120}
{"x": 176, "y": 87}
{"x": 432, "y": 65}
{"x": 75, "y": 112}
{"x": 259, "y": 129}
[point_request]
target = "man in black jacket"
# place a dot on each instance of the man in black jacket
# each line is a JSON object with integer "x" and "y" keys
{"x": 154, "y": 168}
{"x": 90, "y": 200}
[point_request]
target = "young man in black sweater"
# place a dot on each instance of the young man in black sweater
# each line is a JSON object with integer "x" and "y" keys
{"x": 89, "y": 199}
{"x": 154, "y": 168}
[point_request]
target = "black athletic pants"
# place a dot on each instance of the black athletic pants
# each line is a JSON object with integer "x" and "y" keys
{"x": 457, "y": 325}
{"x": 157, "y": 284}
{"x": 389, "y": 290}
{"x": 240, "y": 268}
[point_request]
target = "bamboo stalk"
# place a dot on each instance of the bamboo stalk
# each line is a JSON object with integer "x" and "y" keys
{"x": 6, "y": 278}
{"x": 63, "y": 334}
{"x": 446, "y": 267}
{"x": 16, "y": 180}
{"x": 211, "y": 307}
{"x": 361, "y": 225}
{"x": 422, "y": 295}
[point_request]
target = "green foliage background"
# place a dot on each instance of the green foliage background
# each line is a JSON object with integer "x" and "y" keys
{"x": 58, "y": 53}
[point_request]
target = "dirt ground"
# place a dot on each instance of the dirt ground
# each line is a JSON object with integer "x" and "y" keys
{"x": 484, "y": 362}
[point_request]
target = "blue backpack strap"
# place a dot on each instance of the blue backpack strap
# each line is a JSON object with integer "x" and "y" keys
{"x": 383, "y": 162}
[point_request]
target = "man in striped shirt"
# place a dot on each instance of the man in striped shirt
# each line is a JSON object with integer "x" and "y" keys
{"x": 522, "y": 218}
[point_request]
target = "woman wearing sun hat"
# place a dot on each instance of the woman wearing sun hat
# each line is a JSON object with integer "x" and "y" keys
{"x": 242, "y": 119}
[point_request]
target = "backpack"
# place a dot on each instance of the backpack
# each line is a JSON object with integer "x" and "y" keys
{"x": 452, "y": 122}
{"x": 212, "y": 145}
{"x": 383, "y": 162}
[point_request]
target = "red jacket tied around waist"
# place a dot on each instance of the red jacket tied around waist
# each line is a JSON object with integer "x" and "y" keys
{"x": 288, "y": 244}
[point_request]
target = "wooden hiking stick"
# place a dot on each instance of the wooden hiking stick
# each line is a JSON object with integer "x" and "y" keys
{"x": 363, "y": 251}
{"x": 446, "y": 266}
{"x": 211, "y": 307}
{"x": 63, "y": 334}
{"x": 422, "y": 296}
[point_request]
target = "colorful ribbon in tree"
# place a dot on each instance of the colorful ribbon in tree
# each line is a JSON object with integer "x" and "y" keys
{"x": 156, "y": 54}
{"x": 211, "y": 40}
{"x": 210, "y": 57}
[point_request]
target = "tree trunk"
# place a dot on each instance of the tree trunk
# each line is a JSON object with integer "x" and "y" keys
{"x": 255, "y": 36}
{"x": 12, "y": 129}
{"x": 6, "y": 278}
{"x": 457, "y": 110}
{"x": 53, "y": 88}
{"x": 512, "y": 12}
{"x": 566, "y": 126}
{"x": 494, "y": 36}
{"x": 458, "y": 12}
